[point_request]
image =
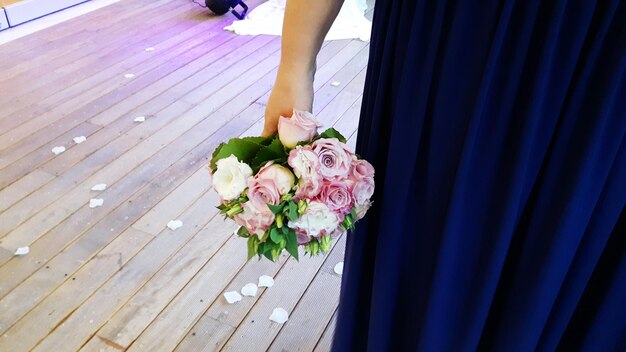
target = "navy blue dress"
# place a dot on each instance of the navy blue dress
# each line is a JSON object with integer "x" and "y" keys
{"x": 497, "y": 130}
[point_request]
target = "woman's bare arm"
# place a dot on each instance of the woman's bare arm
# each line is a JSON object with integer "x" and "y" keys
{"x": 305, "y": 26}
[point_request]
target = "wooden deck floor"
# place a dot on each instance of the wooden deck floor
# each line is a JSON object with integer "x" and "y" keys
{"x": 115, "y": 278}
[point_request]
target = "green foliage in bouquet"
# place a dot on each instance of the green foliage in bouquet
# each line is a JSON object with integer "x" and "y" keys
{"x": 254, "y": 151}
{"x": 257, "y": 152}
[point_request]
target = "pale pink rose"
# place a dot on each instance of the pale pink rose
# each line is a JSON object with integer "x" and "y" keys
{"x": 256, "y": 217}
{"x": 335, "y": 159}
{"x": 309, "y": 187}
{"x": 300, "y": 127}
{"x": 303, "y": 160}
{"x": 337, "y": 196}
{"x": 281, "y": 175}
{"x": 361, "y": 209}
{"x": 363, "y": 190}
{"x": 360, "y": 169}
{"x": 264, "y": 190}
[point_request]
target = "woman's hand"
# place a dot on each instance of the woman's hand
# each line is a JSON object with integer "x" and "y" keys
{"x": 292, "y": 90}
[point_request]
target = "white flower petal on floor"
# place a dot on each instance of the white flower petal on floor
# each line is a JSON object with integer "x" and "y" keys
{"x": 79, "y": 139}
{"x": 149, "y": 49}
{"x": 338, "y": 268}
{"x": 266, "y": 281}
{"x": 58, "y": 150}
{"x": 140, "y": 119}
{"x": 129, "y": 75}
{"x": 22, "y": 250}
{"x": 232, "y": 297}
{"x": 249, "y": 290}
{"x": 279, "y": 315}
{"x": 174, "y": 224}
{"x": 335, "y": 83}
{"x": 96, "y": 202}
{"x": 99, "y": 187}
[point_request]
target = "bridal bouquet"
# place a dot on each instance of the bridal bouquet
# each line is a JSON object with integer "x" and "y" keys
{"x": 294, "y": 189}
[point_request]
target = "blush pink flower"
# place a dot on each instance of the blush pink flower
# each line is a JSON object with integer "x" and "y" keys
{"x": 300, "y": 127}
{"x": 361, "y": 169}
{"x": 256, "y": 217}
{"x": 363, "y": 190}
{"x": 281, "y": 175}
{"x": 335, "y": 159}
{"x": 304, "y": 161}
{"x": 309, "y": 187}
{"x": 264, "y": 190}
{"x": 361, "y": 209}
{"x": 337, "y": 196}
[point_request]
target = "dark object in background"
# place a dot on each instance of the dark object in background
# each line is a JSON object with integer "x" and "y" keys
{"x": 220, "y": 7}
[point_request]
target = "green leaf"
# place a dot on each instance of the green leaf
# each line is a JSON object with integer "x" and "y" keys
{"x": 243, "y": 232}
{"x": 325, "y": 243}
{"x": 253, "y": 246}
{"x": 276, "y": 209}
{"x": 292, "y": 213}
{"x": 275, "y": 235}
{"x": 332, "y": 133}
{"x": 265, "y": 236}
{"x": 292, "y": 243}
{"x": 272, "y": 152}
{"x": 242, "y": 148}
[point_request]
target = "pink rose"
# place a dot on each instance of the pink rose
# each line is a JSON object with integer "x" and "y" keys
{"x": 335, "y": 159}
{"x": 281, "y": 175}
{"x": 300, "y": 127}
{"x": 256, "y": 217}
{"x": 304, "y": 162}
{"x": 360, "y": 169}
{"x": 361, "y": 209}
{"x": 363, "y": 190}
{"x": 264, "y": 190}
{"x": 336, "y": 196}
{"x": 309, "y": 187}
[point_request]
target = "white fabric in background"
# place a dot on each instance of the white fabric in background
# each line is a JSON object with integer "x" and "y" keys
{"x": 267, "y": 18}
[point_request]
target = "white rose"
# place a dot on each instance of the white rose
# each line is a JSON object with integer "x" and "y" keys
{"x": 281, "y": 175}
{"x": 316, "y": 221}
{"x": 231, "y": 177}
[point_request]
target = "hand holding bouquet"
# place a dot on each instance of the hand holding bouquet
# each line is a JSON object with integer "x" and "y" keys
{"x": 295, "y": 189}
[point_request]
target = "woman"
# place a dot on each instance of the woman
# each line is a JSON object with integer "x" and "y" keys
{"x": 497, "y": 132}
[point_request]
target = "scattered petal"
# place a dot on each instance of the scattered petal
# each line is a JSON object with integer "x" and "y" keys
{"x": 335, "y": 83}
{"x": 339, "y": 268}
{"x": 22, "y": 250}
{"x": 140, "y": 119}
{"x": 249, "y": 290}
{"x": 129, "y": 75}
{"x": 279, "y": 315}
{"x": 266, "y": 281}
{"x": 96, "y": 202}
{"x": 58, "y": 150}
{"x": 149, "y": 49}
{"x": 232, "y": 297}
{"x": 99, "y": 187}
{"x": 79, "y": 139}
{"x": 174, "y": 224}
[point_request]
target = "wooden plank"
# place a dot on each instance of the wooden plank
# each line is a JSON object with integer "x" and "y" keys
{"x": 199, "y": 240}
{"x": 154, "y": 143}
{"x": 46, "y": 315}
{"x": 98, "y": 235}
{"x": 94, "y": 99}
{"x": 326, "y": 341}
{"x": 312, "y": 313}
{"x": 79, "y": 47}
{"x": 290, "y": 283}
{"x": 220, "y": 320}
{"x": 22, "y": 188}
{"x": 83, "y": 41}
